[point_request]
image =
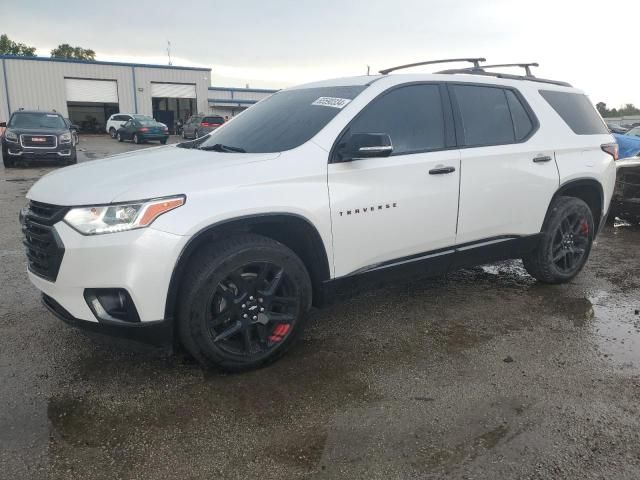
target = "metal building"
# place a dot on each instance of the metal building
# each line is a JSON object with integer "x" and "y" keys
{"x": 231, "y": 101}
{"x": 89, "y": 92}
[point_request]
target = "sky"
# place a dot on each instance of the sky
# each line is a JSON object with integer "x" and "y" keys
{"x": 279, "y": 43}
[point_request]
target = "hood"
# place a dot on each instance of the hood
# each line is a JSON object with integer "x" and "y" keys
{"x": 139, "y": 175}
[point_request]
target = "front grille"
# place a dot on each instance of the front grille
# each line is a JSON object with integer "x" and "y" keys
{"x": 39, "y": 141}
{"x": 43, "y": 245}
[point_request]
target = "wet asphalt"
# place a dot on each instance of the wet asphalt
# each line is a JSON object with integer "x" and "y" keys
{"x": 483, "y": 374}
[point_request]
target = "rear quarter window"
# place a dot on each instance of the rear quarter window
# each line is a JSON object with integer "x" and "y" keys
{"x": 577, "y": 112}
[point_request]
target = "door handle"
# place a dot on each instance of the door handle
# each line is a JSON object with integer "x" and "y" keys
{"x": 442, "y": 170}
{"x": 542, "y": 159}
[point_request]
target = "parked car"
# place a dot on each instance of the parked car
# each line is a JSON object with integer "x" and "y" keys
{"x": 230, "y": 240}
{"x": 616, "y": 128}
{"x": 37, "y": 135}
{"x": 140, "y": 131}
{"x": 119, "y": 119}
{"x": 74, "y": 130}
{"x": 199, "y": 125}
{"x": 626, "y": 197}
{"x": 628, "y": 145}
{"x": 634, "y": 132}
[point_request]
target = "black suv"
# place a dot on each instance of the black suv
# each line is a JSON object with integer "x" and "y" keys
{"x": 37, "y": 135}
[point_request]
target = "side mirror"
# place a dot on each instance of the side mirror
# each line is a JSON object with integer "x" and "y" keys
{"x": 364, "y": 145}
{"x": 3, "y": 124}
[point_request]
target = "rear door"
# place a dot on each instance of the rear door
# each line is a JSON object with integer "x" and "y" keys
{"x": 400, "y": 209}
{"x": 508, "y": 176}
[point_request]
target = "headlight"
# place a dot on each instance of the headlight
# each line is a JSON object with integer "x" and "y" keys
{"x": 119, "y": 218}
{"x": 65, "y": 137}
{"x": 10, "y": 136}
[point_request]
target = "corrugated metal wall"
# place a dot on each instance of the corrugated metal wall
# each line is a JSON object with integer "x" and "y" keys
{"x": 40, "y": 84}
{"x": 4, "y": 108}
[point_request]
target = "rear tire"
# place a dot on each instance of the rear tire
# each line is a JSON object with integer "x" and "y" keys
{"x": 243, "y": 302}
{"x": 119, "y": 137}
{"x": 567, "y": 237}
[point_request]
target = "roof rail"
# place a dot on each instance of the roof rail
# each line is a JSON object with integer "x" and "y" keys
{"x": 480, "y": 70}
{"x": 475, "y": 61}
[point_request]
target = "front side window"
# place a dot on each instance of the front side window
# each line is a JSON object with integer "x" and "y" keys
{"x": 412, "y": 116}
{"x": 485, "y": 115}
{"x": 284, "y": 120}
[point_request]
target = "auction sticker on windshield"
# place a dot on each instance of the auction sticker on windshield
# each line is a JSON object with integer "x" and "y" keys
{"x": 331, "y": 102}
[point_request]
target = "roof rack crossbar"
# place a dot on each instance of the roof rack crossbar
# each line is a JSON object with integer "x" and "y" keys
{"x": 475, "y": 61}
{"x": 526, "y": 66}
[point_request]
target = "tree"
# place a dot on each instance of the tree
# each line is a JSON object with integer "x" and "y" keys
{"x": 67, "y": 51}
{"x": 602, "y": 108}
{"x": 9, "y": 47}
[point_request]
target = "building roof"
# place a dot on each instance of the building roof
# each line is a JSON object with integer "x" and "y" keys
{"x": 95, "y": 62}
{"x": 237, "y": 89}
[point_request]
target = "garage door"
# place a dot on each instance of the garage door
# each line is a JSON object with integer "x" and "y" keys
{"x": 96, "y": 91}
{"x": 173, "y": 90}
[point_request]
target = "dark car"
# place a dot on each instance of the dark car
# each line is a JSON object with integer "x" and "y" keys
{"x": 626, "y": 197}
{"x": 143, "y": 130}
{"x": 199, "y": 125}
{"x": 37, "y": 135}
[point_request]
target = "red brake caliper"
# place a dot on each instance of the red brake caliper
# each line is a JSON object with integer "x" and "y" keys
{"x": 279, "y": 332}
{"x": 584, "y": 228}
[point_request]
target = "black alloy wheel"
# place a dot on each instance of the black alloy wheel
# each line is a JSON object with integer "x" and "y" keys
{"x": 253, "y": 310}
{"x": 243, "y": 302}
{"x": 570, "y": 242}
{"x": 565, "y": 242}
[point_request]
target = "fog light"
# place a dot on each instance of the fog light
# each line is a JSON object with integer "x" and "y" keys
{"x": 111, "y": 304}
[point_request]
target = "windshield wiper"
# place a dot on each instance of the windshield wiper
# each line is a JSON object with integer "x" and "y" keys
{"x": 218, "y": 147}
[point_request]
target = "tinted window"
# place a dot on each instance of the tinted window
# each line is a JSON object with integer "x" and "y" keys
{"x": 486, "y": 119}
{"x": 284, "y": 120}
{"x": 635, "y": 132}
{"x": 36, "y": 120}
{"x": 213, "y": 120}
{"x": 412, "y": 116}
{"x": 522, "y": 123}
{"x": 577, "y": 112}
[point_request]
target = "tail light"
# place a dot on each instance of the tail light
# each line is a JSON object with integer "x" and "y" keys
{"x": 207, "y": 124}
{"x": 611, "y": 149}
{"x": 144, "y": 129}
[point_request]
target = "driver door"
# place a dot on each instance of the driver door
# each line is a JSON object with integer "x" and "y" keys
{"x": 401, "y": 208}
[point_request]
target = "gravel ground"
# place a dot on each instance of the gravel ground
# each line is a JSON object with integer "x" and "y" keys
{"x": 483, "y": 374}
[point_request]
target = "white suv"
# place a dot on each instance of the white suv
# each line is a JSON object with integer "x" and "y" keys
{"x": 229, "y": 240}
{"x": 119, "y": 119}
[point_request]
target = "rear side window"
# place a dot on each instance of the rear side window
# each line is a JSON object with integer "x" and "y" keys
{"x": 412, "y": 116}
{"x": 522, "y": 124}
{"x": 486, "y": 118}
{"x": 213, "y": 120}
{"x": 577, "y": 112}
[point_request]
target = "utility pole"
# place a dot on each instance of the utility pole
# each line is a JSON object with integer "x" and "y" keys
{"x": 169, "y": 52}
{"x": 368, "y": 68}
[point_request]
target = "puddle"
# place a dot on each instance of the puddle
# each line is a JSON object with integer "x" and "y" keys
{"x": 616, "y": 331}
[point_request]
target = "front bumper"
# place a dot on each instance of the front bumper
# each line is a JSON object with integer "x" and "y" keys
{"x": 138, "y": 261}
{"x": 156, "y": 333}
{"x": 60, "y": 152}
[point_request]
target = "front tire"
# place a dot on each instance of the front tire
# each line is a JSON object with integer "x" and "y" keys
{"x": 136, "y": 139}
{"x": 243, "y": 302}
{"x": 119, "y": 137}
{"x": 567, "y": 237}
{"x": 112, "y": 132}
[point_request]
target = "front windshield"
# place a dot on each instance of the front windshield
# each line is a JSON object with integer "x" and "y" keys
{"x": 36, "y": 120}
{"x": 284, "y": 120}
